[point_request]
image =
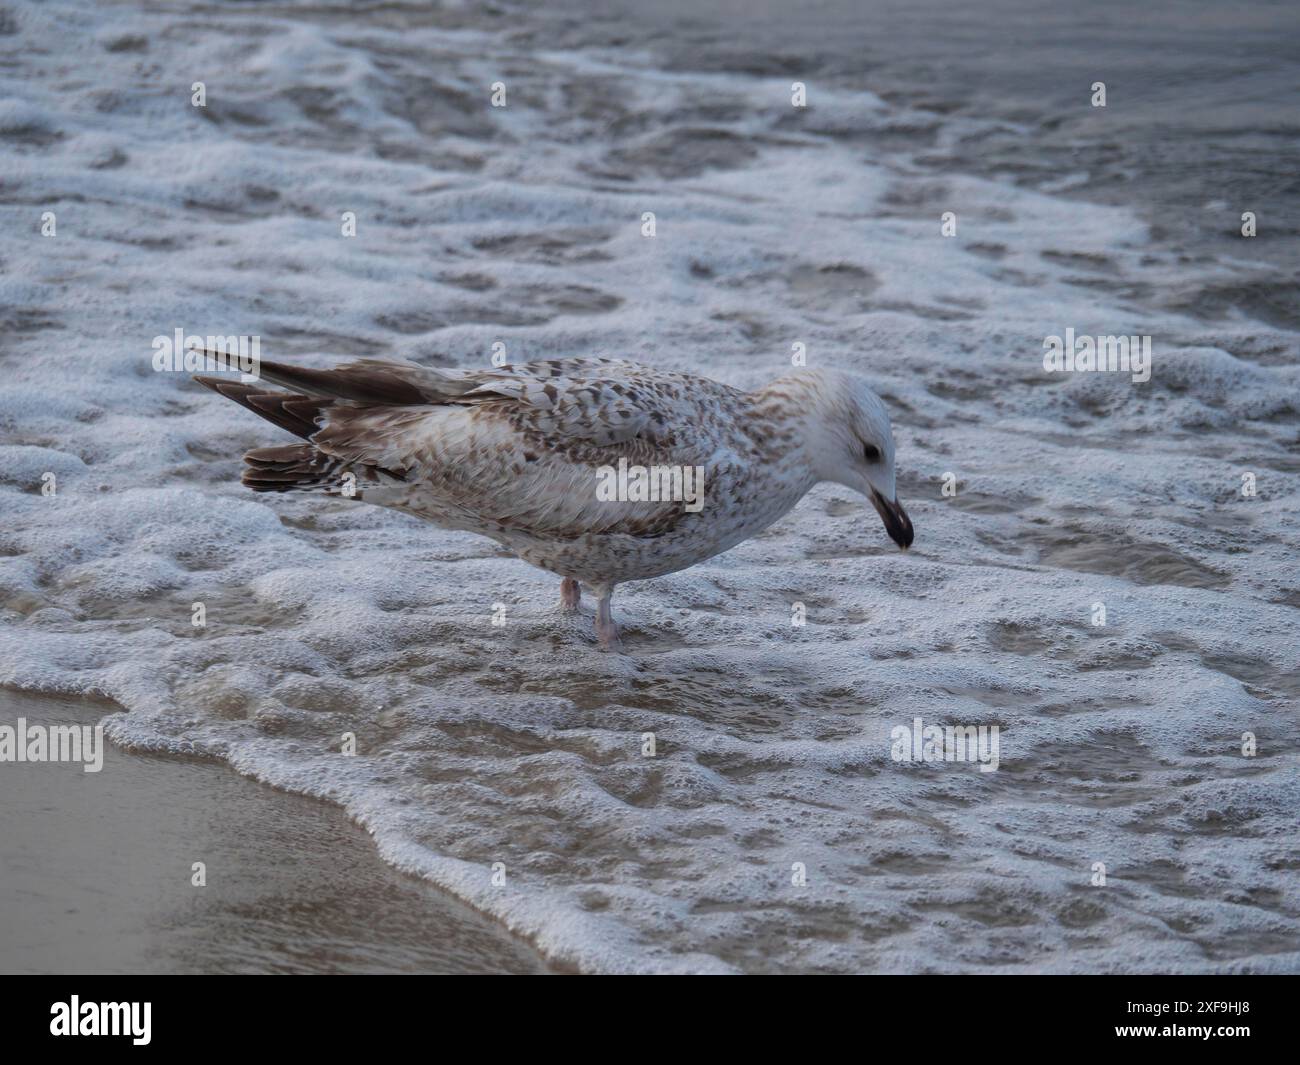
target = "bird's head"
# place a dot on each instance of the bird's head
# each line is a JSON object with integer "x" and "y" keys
{"x": 853, "y": 445}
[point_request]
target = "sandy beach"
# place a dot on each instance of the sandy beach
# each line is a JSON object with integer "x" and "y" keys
{"x": 97, "y": 870}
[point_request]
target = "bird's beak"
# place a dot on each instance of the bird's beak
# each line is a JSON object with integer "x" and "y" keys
{"x": 897, "y": 523}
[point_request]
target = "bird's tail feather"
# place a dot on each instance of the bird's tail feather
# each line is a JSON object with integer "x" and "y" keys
{"x": 298, "y": 467}
{"x": 302, "y": 468}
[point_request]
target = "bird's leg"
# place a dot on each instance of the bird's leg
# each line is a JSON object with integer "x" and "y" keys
{"x": 570, "y": 595}
{"x": 606, "y": 630}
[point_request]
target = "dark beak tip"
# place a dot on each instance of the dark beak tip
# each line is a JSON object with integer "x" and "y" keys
{"x": 897, "y": 524}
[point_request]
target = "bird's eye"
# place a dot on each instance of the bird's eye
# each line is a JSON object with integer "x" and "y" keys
{"x": 871, "y": 453}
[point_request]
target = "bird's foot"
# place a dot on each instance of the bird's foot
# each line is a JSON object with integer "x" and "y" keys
{"x": 607, "y": 634}
{"x": 606, "y": 630}
{"x": 570, "y": 595}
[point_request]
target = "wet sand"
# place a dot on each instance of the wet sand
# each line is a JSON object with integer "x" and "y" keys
{"x": 96, "y": 870}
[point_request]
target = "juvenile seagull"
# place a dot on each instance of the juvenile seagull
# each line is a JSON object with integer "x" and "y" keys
{"x": 516, "y": 453}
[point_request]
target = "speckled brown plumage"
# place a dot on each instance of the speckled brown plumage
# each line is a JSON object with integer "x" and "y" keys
{"x": 514, "y": 452}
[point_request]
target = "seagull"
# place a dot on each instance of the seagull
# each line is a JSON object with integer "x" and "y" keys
{"x": 524, "y": 453}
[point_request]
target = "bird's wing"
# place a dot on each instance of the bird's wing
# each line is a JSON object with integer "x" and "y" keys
{"x": 373, "y": 382}
{"x": 529, "y": 448}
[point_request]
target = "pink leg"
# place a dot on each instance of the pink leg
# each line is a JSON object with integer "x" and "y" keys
{"x": 570, "y": 595}
{"x": 606, "y": 630}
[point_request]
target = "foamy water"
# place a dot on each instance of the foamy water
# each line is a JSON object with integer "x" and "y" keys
{"x": 521, "y": 744}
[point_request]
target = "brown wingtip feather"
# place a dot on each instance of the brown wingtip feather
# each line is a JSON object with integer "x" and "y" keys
{"x": 376, "y": 382}
{"x": 297, "y": 413}
{"x": 359, "y": 382}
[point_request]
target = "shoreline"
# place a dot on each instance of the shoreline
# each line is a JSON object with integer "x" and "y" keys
{"x": 99, "y": 870}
